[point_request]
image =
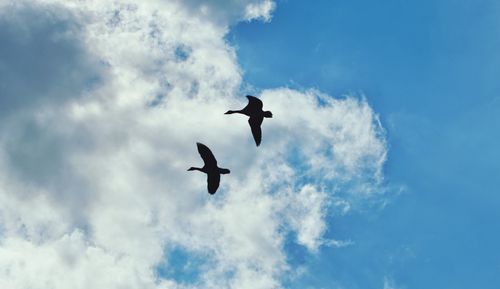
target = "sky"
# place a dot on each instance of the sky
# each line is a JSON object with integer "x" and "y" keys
{"x": 429, "y": 69}
{"x": 379, "y": 168}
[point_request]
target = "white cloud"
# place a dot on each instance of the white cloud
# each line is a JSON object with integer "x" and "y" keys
{"x": 261, "y": 10}
{"x": 305, "y": 213}
{"x": 93, "y": 184}
{"x": 25, "y": 78}
{"x": 227, "y": 12}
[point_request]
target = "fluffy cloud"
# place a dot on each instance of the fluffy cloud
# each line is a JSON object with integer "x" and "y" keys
{"x": 29, "y": 43}
{"x": 227, "y": 12}
{"x": 94, "y": 191}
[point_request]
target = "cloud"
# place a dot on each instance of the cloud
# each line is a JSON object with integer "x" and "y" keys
{"x": 228, "y": 12}
{"x": 41, "y": 57}
{"x": 389, "y": 283}
{"x": 94, "y": 191}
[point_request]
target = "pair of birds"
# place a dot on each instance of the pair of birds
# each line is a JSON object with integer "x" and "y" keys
{"x": 256, "y": 116}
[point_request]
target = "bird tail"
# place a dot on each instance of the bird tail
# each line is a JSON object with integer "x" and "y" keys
{"x": 268, "y": 114}
{"x": 224, "y": 171}
{"x": 230, "y": 112}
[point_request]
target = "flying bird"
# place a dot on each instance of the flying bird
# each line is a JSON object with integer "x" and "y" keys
{"x": 210, "y": 168}
{"x": 256, "y": 114}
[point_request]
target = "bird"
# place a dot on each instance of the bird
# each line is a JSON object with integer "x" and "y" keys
{"x": 210, "y": 168}
{"x": 256, "y": 114}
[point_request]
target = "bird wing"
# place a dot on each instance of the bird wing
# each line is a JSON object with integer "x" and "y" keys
{"x": 255, "y": 123}
{"x": 213, "y": 180}
{"x": 254, "y": 103}
{"x": 207, "y": 155}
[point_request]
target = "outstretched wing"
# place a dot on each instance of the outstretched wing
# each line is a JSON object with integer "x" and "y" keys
{"x": 213, "y": 180}
{"x": 254, "y": 103}
{"x": 207, "y": 155}
{"x": 256, "y": 131}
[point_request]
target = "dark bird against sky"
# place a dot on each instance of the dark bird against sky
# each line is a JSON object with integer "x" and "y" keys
{"x": 210, "y": 168}
{"x": 256, "y": 114}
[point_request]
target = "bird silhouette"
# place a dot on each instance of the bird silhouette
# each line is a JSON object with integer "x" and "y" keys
{"x": 210, "y": 168}
{"x": 256, "y": 114}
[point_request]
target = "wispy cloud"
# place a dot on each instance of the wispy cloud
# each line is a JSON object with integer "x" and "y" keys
{"x": 94, "y": 191}
{"x": 389, "y": 284}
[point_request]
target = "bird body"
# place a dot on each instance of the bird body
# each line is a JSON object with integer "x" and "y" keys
{"x": 256, "y": 114}
{"x": 210, "y": 168}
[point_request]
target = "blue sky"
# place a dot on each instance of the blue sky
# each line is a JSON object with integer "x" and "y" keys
{"x": 102, "y": 103}
{"x": 430, "y": 70}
